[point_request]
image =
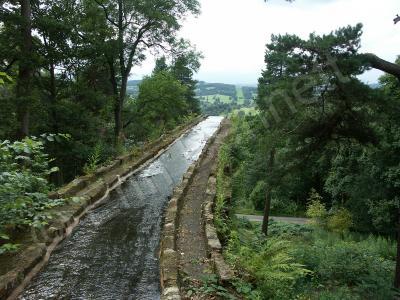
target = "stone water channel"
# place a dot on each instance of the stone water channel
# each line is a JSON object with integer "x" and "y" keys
{"x": 113, "y": 252}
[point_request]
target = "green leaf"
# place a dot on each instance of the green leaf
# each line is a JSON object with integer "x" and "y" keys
{"x": 4, "y": 236}
{"x": 27, "y": 150}
{"x": 54, "y": 169}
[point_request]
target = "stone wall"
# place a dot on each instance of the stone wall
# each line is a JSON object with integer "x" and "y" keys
{"x": 214, "y": 247}
{"x": 168, "y": 250}
{"x": 87, "y": 192}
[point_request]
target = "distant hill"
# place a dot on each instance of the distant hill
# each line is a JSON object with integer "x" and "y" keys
{"x": 216, "y": 98}
{"x": 209, "y": 92}
{"x": 374, "y": 85}
{"x": 133, "y": 87}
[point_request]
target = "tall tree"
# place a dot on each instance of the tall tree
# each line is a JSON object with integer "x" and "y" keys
{"x": 313, "y": 102}
{"x": 185, "y": 64}
{"x": 138, "y": 26}
{"x": 24, "y": 81}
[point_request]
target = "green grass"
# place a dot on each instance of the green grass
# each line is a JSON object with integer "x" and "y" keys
{"x": 222, "y": 98}
{"x": 246, "y": 110}
{"x": 239, "y": 94}
{"x": 225, "y": 98}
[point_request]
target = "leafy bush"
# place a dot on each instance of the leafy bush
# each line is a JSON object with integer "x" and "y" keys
{"x": 287, "y": 230}
{"x": 221, "y": 219}
{"x": 316, "y": 209}
{"x": 268, "y": 264}
{"x": 257, "y": 196}
{"x": 339, "y": 293}
{"x": 209, "y": 286}
{"x": 345, "y": 262}
{"x": 340, "y": 221}
{"x": 93, "y": 160}
{"x": 24, "y": 186}
{"x": 283, "y": 207}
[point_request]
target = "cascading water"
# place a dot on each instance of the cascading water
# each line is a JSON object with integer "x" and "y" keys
{"x": 113, "y": 252}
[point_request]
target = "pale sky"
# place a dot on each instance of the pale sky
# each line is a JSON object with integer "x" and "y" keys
{"x": 232, "y": 34}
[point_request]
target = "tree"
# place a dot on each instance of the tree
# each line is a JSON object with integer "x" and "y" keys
{"x": 376, "y": 62}
{"x": 161, "y": 101}
{"x": 138, "y": 26}
{"x": 268, "y": 194}
{"x": 397, "y": 19}
{"x": 304, "y": 101}
{"x": 24, "y": 80}
{"x": 328, "y": 128}
{"x": 185, "y": 64}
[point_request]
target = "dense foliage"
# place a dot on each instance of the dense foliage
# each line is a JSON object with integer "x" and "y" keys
{"x": 24, "y": 186}
{"x": 70, "y": 67}
{"x": 330, "y": 133}
{"x": 313, "y": 261}
{"x": 64, "y": 69}
{"x": 323, "y": 146}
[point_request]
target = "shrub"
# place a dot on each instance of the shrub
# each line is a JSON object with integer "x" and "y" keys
{"x": 257, "y": 196}
{"x": 340, "y": 221}
{"x": 268, "y": 264}
{"x": 25, "y": 169}
{"x": 283, "y": 207}
{"x": 337, "y": 262}
{"x": 287, "y": 230}
{"x": 316, "y": 209}
{"x": 339, "y": 293}
{"x": 94, "y": 159}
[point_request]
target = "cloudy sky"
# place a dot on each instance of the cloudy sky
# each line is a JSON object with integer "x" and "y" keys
{"x": 232, "y": 34}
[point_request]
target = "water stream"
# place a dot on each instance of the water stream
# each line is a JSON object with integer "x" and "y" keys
{"x": 113, "y": 252}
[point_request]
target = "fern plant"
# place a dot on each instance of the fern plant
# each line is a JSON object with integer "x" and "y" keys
{"x": 93, "y": 160}
{"x": 268, "y": 264}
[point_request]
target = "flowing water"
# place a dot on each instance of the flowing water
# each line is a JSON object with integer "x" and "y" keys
{"x": 113, "y": 252}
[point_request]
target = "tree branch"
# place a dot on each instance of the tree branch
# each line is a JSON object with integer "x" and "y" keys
{"x": 106, "y": 13}
{"x": 9, "y": 65}
{"x": 138, "y": 40}
{"x": 383, "y": 65}
{"x": 396, "y": 20}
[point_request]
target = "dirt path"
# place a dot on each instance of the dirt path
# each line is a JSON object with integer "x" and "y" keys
{"x": 193, "y": 261}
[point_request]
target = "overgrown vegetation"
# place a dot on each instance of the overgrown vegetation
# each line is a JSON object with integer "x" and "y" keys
{"x": 24, "y": 187}
{"x": 70, "y": 72}
{"x": 324, "y": 169}
{"x": 306, "y": 262}
{"x": 66, "y": 73}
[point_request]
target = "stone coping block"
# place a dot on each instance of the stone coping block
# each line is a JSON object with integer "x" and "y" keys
{"x": 214, "y": 247}
{"x": 168, "y": 273}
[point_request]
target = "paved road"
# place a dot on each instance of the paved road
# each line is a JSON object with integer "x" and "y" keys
{"x": 254, "y": 218}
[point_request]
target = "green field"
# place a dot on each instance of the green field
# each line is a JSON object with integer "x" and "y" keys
{"x": 240, "y": 96}
{"x": 212, "y": 98}
{"x": 246, "y": 111}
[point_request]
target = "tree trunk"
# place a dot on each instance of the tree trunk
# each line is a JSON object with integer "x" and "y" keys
{"x": 53, "y": 98}
{"x": 267, "y": 209}
{"x": 383, "y": 65}
{"x": 267, "y": 206}
{"x": 118, "y": 119}
{"x": 119, "y": 135}
{"x": 119, "y": 101}
{"x": 23, "y": 87}
{"x": 397, "y": 274}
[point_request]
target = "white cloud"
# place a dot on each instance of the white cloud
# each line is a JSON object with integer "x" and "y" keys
{"x": 232, "y": 33}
